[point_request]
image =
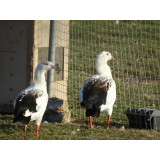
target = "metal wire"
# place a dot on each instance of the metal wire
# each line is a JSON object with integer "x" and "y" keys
{"x": 134, "y": 44}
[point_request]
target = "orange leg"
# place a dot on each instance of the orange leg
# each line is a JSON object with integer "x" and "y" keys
{"x": 37, "y": 129}
{"x": 90, "y": 121}
{"x": 25, "y": 130}
{"x": 109, "y": 117}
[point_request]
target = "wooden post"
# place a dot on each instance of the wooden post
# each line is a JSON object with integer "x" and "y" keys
{"x": 62, "y": 41}
{"x": 35, "y": 45}
{"x": 41, "y": 45}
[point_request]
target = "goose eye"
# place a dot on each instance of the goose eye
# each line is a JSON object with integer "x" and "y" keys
{"x": 46, "y": 63}
{"x": 107, "y": 54}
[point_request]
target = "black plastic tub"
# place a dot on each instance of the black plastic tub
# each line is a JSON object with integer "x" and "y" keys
{"x": 143, "y": 118}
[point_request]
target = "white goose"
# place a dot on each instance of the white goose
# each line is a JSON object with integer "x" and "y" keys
{"x": 31, "y": 103}
{"x": 99, "y": 92}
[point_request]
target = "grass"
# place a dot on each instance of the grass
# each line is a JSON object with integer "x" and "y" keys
{"x": 135, "y": 45}
{"x": 72, "y": 131}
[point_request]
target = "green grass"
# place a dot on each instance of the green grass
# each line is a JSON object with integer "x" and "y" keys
{"x": 72, "y": 131}
{"x": 135, "y": 45}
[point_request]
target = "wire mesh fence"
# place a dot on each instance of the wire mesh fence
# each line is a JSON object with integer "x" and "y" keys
{"x": 136, "y": 71}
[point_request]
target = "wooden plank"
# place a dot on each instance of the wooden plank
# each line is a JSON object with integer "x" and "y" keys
{"x": 62, "y": 40}
{"x": 35, "y": 46}
{"x": 13, "y": 59}
{"x": 30, "y": 50}
{"x": 60, "y": 89}
{"x": 16, "y": 45}
{"x": 59, "y": 63}
{"x": 42, "y": 54}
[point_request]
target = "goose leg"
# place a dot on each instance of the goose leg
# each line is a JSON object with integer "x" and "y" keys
{"x": 37, "y": 131}
{"x": 109, "y": 117}
{"x": 25, "y": 130}
{"x": 90, "y": 121}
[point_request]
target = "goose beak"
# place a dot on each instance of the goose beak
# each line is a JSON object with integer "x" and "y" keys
{"x": 53, "y": 67}
{"x": 112, "y": 58}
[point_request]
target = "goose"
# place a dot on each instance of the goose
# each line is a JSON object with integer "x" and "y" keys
{"x": 98, "y": 93}
{"x": 31, "y": 103}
